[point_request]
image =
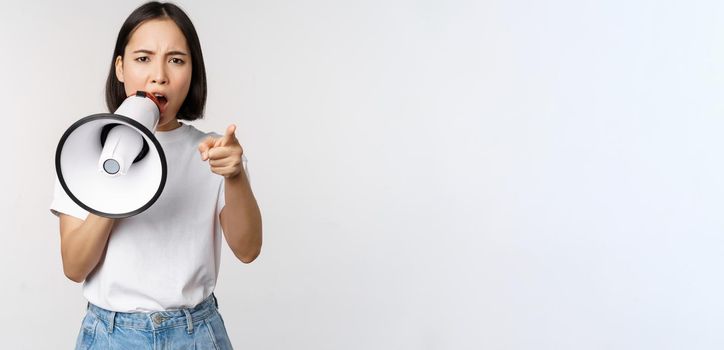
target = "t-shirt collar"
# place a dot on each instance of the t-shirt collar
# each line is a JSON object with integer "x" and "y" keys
{"x": 172, "y": 135}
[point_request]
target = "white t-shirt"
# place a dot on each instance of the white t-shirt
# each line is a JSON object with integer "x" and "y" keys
{"x": 166, "y": 257}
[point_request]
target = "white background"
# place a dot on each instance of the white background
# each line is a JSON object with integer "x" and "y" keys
{"x": 432, "y": 174}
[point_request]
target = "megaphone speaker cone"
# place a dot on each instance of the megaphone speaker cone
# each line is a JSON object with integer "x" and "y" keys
{"x": 111, "y": 164}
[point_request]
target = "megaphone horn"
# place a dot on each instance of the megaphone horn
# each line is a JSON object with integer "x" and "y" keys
{"x": 111, "y": 164}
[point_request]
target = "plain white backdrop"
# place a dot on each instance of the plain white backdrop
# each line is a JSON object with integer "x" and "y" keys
{"x": 454, "y": 175}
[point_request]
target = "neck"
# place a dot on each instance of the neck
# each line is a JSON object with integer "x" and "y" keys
{"x": 174, "y": 124}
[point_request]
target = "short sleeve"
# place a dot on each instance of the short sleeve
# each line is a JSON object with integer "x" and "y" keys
{"x": 62, "y": 204}
{"x": 222, "y": 199}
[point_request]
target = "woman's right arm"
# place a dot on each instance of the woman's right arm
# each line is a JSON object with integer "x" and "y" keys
{"x": 83, "y": 243}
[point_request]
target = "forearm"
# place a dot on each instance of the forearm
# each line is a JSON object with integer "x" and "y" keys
{"x": 241, "y": 218}
{"x": 83, "y": 246}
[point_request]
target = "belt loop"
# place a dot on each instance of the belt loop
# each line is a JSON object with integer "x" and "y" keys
{"x": 189, "y": 321}
{"x": 111, "y": 321}
{"x": 216, "y": 301}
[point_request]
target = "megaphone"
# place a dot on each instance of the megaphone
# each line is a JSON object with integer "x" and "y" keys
{"x": 111, "y": 164}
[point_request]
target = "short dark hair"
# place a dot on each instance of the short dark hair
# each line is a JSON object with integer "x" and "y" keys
{"x": 193, "y": 106}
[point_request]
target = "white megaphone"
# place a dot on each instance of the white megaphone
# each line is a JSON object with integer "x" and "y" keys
{"x": 111, "y": 164}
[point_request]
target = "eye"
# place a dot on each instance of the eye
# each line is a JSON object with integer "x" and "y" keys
{"x": 176, "y": 60}
{"x": 142, "y": 59}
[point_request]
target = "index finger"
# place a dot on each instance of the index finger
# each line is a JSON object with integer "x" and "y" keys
{"x": 229, "y": 135}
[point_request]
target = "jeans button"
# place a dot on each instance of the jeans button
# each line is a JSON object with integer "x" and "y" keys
{"x": 157, "y": 318}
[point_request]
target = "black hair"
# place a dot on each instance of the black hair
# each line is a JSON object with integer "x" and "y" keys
{"x": 193, "y": 106}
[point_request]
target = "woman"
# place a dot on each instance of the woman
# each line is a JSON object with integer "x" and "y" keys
{"x": 149, "y": 279}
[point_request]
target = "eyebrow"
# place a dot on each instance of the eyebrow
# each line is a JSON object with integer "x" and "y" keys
{"x": 170, "y": 53}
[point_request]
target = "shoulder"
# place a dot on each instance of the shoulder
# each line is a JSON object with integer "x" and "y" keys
{"x": 198, "y": 135}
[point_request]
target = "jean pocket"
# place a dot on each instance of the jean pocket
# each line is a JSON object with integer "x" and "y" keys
{"x": 217, "y": 332}
{"x": 87, "y": 332}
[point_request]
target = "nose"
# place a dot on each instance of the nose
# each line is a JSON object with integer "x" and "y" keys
{"x": 158, "y": 76}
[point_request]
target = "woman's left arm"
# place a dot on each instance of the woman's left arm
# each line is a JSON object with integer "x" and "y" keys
{"x": 240, "y": 218}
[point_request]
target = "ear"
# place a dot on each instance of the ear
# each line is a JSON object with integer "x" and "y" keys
{"x": 119, "y": 68}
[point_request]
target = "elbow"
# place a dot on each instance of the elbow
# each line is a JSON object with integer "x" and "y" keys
{"x": 249, "y": 257}
{"x": 74, "y": 276}
{"x": 247, "y": 260}
{"x": 248, "y": 254}
{"x": 248, "y": 251}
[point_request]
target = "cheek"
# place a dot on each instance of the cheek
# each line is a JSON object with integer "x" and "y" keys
{"x": 132, "y": 82}
{"x": 187, "y": 79}
{"x": 183, "y": 89}
{"x": 129, "y": 89}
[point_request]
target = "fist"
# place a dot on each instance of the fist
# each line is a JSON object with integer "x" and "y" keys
{"x": 223, "y": 153}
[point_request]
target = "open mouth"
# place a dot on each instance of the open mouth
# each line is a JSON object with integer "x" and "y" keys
{"x": 162, "y": 101}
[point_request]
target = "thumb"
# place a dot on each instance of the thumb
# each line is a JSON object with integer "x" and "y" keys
{"x": 205, "y": 146}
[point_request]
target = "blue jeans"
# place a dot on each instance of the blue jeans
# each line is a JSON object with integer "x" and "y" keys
{"x": 200, "y": 327}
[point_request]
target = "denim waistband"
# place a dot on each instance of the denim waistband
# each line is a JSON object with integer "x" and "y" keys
{"x": 156, "y": 320}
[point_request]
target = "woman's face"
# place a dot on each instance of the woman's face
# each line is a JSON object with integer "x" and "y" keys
{"x": 157, "y": 60}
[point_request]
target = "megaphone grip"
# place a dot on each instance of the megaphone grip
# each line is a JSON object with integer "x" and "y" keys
{"x": 122, "y": 146}
{"x": 104, "y": 135}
